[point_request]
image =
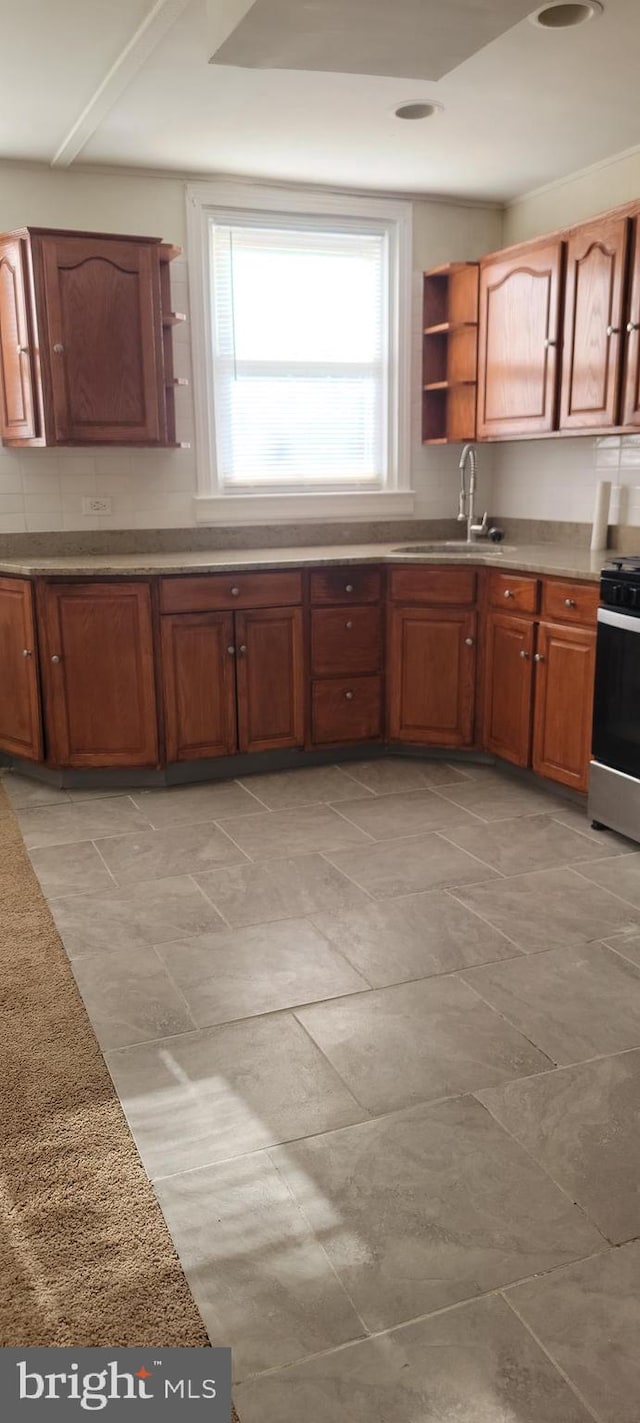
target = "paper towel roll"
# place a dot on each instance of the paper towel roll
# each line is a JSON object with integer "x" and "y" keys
{"x": 601, "y": 516}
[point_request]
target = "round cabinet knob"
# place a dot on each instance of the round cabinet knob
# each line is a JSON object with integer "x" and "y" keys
{"x": 349, "y": 624}
{"x": 549, "y": 343}
{"x": 235, "y": 592}
{"x": 349, "y": 696}
{"x": 469, "y": 641}
{"x": 633, "y": 326}
{"x": 538, "y": 657}
{"x": 569, "y": 602}
{"x": 22, "y": 350}
{"x": 27, "y": 652}
{"x": 242, "y": 648}
{"x": 523, "y": 654}
{"x": 348, "y": 587}
{"x": 55, "y": 657}
{"x": 231, "y": 650}
{"x": 508, "y": 593}
{"x": 613, "y": 330}
{"x": 58, "y": 348}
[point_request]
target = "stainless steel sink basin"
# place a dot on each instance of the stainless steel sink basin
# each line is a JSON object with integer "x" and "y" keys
{"x": 455, "y": 546}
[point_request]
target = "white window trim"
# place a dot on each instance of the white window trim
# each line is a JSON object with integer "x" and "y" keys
{"x": 214, "y": 506}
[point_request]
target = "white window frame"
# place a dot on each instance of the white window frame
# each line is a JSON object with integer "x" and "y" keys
{"x": 219, "y": 198}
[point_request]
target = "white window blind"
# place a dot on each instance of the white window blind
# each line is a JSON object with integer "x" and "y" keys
{"x": 300, "y": 357}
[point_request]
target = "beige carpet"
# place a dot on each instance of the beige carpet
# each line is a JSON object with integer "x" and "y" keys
{"x": 85, "y": 1255}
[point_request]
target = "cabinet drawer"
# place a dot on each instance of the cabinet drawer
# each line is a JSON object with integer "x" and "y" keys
{"x": 346, "y": 585}
{"x": 513, "y": 592}
{"x": 207, "y": 592}
{"x": 570, "y": 602}
{"x": 453, "y": 586}
{"x": 345, "y": 641}
{"x": 346, "y": 710}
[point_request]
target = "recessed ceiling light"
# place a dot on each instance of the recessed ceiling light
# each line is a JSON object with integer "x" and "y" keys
{"x": 560, "y": 16}
{"x": 418, "y": 111}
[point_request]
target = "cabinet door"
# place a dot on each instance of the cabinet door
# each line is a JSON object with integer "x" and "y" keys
{"x": 631, "y": 406}
{"x": 270, "y": 676}
{"x": 593, "y": 341}
{"x": 565, "y": 671}
{"x": 20, "y": 725}
{"x": 199, "y": 685}
{"x": 508, "y": 684}
{"x": 432, "y": 666}
{"x": 17, "y": 402}
{"x": 98, "y": 669}
{"x": 103, "y": 333}
{"x": 518, "y": 342}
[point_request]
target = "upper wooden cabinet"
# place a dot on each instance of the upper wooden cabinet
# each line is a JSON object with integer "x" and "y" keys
{"x": 449, "y": 353}
{"x": 594, "y": 324}
{"x": 520, "y": 294}
{"x": 631, "y": 388}
{"x": 85, "y": 353}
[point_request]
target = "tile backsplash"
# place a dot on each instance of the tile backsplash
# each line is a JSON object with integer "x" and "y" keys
{"x": 557, "y": 478}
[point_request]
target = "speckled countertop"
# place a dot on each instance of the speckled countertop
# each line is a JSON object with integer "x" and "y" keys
{"x": 533, "y": 558}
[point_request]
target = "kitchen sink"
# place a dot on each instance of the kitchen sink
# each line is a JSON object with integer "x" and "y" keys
{"x": 455, "y": 546}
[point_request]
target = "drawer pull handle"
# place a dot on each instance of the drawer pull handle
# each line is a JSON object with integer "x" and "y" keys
{"x": 55, "y": 658}
{"x": 349, "y": 696}
{"x": 569, "y": 602}
{"x": 349, "y": 624}
{"x": 523, "y": 654}
{"x": 231, "y": 650}
{"x": 508, "y": 593}
{"x": 348, "y": 587}
{"x": 633, "y": 326}
{"x": 538, "y": 657}
{"x": 27, "y": 652}
{"x": 469, "y": 641}
{"x": 235, "y": 592}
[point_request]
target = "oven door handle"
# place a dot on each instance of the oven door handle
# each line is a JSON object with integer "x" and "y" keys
{"x": 618, "y": 620}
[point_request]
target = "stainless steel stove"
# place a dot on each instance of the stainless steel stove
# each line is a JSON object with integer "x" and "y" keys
{"x": 614, "y": 783}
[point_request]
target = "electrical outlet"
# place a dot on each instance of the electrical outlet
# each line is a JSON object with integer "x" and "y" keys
{"x": 96, "y": 504}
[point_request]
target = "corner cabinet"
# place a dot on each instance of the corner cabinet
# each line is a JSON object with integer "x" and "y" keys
{"x": 519, "y": 341}
{"x": 84, "y": 355}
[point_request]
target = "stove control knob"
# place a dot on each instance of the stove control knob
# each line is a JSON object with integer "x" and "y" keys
{"x": 633, "y": 597}
{"x": 616, "y": 593}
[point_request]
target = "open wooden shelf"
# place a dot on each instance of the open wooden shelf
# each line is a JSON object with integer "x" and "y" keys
{"x": 450, "y": 352}
{"x": 444, "y": 328}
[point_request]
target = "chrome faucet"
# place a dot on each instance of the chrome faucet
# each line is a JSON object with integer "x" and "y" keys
{"x": 466, "y": 500}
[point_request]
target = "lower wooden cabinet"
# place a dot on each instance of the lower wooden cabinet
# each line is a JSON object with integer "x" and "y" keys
{"x": 507, "y": 688}
{"x": 432, "y": 675}
{"x": 20, "y": 722}
{"x": 565, "y": 669}
{"x": 270, "y": 678}
{"x": 99, "y": 674}
{"x": 199, "y": 685}
{"x": 346, "y": 709}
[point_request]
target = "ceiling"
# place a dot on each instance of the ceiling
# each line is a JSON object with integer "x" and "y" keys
{"x": 130, "y": 83}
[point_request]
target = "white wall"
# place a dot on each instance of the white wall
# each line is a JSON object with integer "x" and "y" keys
{"x": 556, "y": 479}
{"x": 43, "y": 489}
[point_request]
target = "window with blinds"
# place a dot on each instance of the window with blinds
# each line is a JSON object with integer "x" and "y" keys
{"x": 301, "y": 360}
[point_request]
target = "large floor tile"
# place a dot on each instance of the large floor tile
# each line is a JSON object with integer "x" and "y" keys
{"x": 153, "y": 912}
{"x": 581, "y": 1124}
{"x": 588, "y": 1319}
{"x": 431, "y": 1206}
{"x": 626, "y": 943}
{"x": 475, "y": 1364}
{"x": 533, "y": 842}
{"x": 261, "y": 1280}
{"x": 407, "y": 813}
{"x": 398, "y": 1046}
{"x": 494, "y": 796}
{"x": 244, "y": 972}
{"x": 84, "y": 820}
{"x": 180, "y": 804}
{"x": 395, "y": 940}
{"x": 575, "y": 818}
{"x": 549, "y": 908}
{"x": 70, "y": 869}
{"x": 278, "y": 833}
{"x": 158, "y": 854}
{"x": 311, "y": 785}
{"x": 23, "y": 792}
{"x": 130, "y": 998}
{"x": 399, "y": 867}
{"x": 280, "y": 889}
{"x": 620, "y": 875}
{"x": 223, "y": 1092}
{"x": 392, "y": 774}
{"x": 574, "y": 1003}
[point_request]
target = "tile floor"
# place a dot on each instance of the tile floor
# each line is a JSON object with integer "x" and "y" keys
{"x": 376, "y": 1029}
